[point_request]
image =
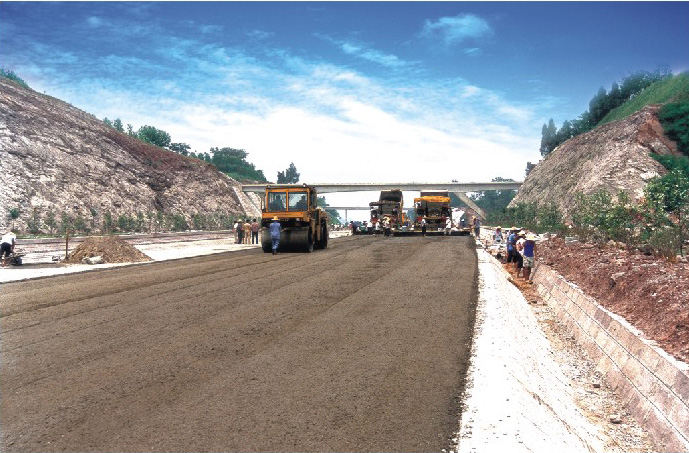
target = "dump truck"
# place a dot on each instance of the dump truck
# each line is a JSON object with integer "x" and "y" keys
{"x": 304, "y": 226}
{"x": 391, "y": 204}
{"x": 435, "y": 207}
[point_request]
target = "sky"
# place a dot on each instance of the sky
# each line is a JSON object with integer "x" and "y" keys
{"x": 347, "y": 91}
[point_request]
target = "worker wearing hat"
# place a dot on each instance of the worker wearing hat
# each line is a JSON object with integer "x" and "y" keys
{"x": 275, "y": 234}
{"x": 529, "y": 252}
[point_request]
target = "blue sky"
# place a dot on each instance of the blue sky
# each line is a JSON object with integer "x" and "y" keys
{"x": 348, "y": 91}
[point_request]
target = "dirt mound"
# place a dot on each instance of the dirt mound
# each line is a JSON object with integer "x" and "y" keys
{"x": 649, "y": 292}
{"x": 111, "y": 248}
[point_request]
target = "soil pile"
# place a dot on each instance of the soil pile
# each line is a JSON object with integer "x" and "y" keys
{"x": 650, "y": 292}
{"x": 111, "y": 248}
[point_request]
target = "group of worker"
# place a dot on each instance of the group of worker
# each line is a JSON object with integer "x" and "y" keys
{"x": 246, "y": 231}
{"x": 521, "y": 251}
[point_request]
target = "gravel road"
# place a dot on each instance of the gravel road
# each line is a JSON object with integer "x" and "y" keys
{"x": 363, "y": 346}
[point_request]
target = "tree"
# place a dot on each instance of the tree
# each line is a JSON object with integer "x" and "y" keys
{"x": 529, "y": 167}
{"x": 117, "y": 124}
{"x": 549, "y": 137}
{"x": 51, "y": 221}
{"x": 154, "y": 136}
{"x": 333, "y": 215}
{"x": 180, "y": 148}
{"x": 289, "y": 176}
{"x": 233, "y": 163}
{"x": 107, "y": 122}
{"x": 14, "y": 215}
{"x": 494, "y": 200}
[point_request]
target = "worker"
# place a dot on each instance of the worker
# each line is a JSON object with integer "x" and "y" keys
{"x": 275, "y": 234}
{"x": 497, "y": 236}
{"x": 386, "y": 226}
{"x": 476, "y": 223}
{"x": 448, "y": 226}
{"x": 423, "y": 226}
{"x": 529, "y": 249}
{"x": 9, "y": 239}
{"x": 246, "y": 231}
{"x": 255, "y": 228}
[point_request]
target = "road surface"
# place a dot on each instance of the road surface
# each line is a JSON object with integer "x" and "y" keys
{"x": 363, "y": 346}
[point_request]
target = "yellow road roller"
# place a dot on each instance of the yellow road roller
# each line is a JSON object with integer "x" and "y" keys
{"x": 303, "y": 225}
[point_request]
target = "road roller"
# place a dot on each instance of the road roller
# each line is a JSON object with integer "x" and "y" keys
{"x": 303, "y": 225}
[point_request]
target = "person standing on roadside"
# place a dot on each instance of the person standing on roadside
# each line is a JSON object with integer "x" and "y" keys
{"x": 247, "y": 231}
{"x": 529, "y": 252}
{"x": 448, "y": 226}
{"x": 9, "y": 240}
{"x": 255, "y": 227}
{"x": 519, "y": 250}
{"x": 423, "y": 226}
{"x": 477, "y": 227}
{"x": 512, "y": 245}
{"x": 497, "y": 236}
{"x": 275, "y": 234}
{"x": 236, "y": 230}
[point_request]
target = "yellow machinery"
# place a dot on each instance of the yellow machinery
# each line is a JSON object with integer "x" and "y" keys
{"x": 391, "y": 205}
{"x": 303, "y": 225}
{"x": 435, "y": 207}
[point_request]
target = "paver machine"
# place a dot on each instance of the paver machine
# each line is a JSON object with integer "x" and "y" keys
{"x": 390, "y": 204}
{"x": 435, "y": 207}
{"x": 304, "y": 226}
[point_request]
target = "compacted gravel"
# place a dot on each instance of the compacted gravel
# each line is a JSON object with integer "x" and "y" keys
{"x": 363, "y": 346}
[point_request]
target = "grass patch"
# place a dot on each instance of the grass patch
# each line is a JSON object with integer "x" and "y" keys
{"x": 673, "y": 89}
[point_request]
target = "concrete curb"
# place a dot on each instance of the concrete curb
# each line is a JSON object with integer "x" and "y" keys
{"x": 654, "y": 386}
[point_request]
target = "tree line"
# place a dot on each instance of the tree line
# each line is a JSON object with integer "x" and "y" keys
{"x": 230, "y": 161}
{"x": 599, "y": 106}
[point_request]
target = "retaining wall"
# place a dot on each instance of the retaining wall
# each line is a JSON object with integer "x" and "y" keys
{"x": 653, "y": 385}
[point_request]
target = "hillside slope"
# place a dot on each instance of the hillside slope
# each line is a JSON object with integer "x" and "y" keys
{"x": 56, "y": 157}
{"x": 614, "y": 157}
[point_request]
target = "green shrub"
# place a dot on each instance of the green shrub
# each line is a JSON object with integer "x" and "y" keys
{"x": 8, "y": 74}
{"x": 675, "y": 120}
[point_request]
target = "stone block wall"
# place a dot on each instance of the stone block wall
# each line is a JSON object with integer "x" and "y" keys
{"x": 653, "y": 385}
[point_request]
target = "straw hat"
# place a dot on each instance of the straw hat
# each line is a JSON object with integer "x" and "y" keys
{"x": 276, "y": 218}
{"x": 530, "y": 237}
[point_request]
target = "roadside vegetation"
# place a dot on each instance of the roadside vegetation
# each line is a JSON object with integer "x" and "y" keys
{"x": 8, "y": 74}
{"x": 630, "y": 95}
{"x": 659, "y": 223}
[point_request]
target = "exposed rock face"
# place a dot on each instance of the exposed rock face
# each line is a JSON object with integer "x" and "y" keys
{"x": 56, "y": 157}
{"x": 615, "y": 157}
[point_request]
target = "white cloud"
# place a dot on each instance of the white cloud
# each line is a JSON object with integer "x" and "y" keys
{"x": 457, "y": 29}
{"x": 210, "y": 29}
{"x": 335, "y": 123}
{"x": 259, "y": 34}
{"x": 94, "y": 21}
{"x": 365, "y": 52}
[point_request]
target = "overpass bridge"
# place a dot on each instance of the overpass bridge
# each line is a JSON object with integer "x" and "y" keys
{"x": 453, "y": 187}
{"x": 459, "y": 189}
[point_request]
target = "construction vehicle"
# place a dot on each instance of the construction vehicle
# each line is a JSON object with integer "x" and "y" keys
{"x": 390, "y": 204}
{"x": 303, "y": 225}
{"x": 434, "y": 206}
